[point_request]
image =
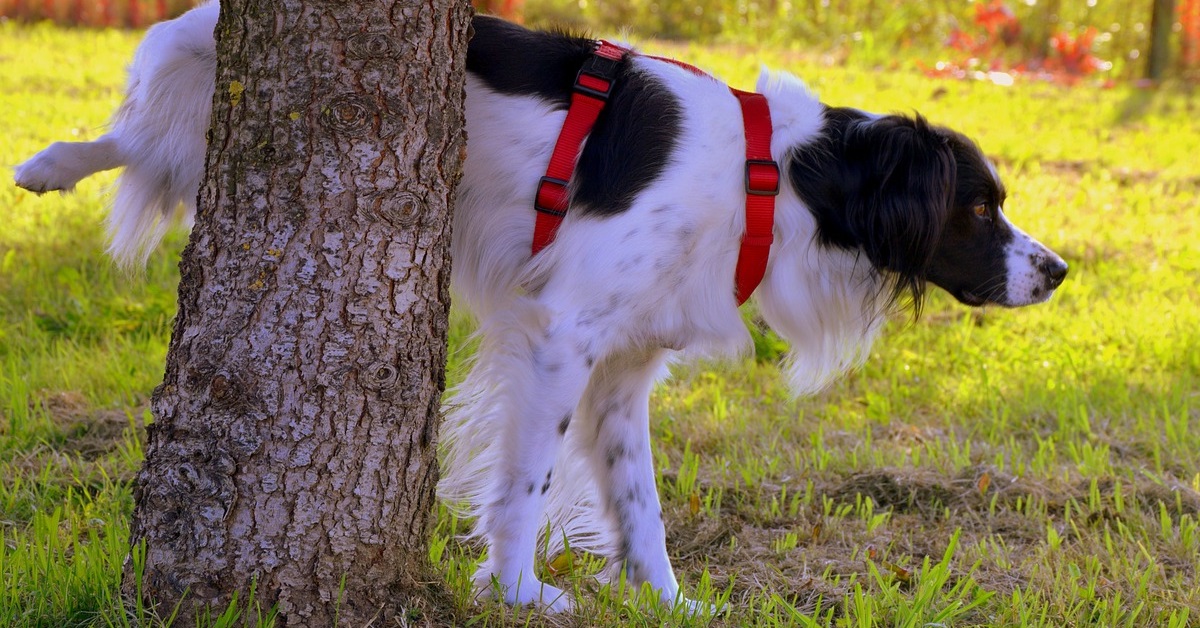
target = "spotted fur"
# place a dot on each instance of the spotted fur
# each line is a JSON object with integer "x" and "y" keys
{"x": 548, "y": 439}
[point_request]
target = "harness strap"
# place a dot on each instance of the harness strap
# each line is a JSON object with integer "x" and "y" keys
{"x": 593, "y": 85}
{"x": 762, "y": 186}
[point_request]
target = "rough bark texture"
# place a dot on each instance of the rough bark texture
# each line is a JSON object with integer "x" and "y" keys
{"x": 293, "y": 442}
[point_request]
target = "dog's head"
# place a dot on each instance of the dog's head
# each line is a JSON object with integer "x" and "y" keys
{"x": 923, "y": 204}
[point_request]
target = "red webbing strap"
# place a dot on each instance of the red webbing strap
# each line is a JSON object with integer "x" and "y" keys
{"x": 762, "y": 186}
{"x": 687, "y": 66}
{"x": 592, "y": 87}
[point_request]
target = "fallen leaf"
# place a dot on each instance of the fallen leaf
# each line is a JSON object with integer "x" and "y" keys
{"x": 561, "y": 564}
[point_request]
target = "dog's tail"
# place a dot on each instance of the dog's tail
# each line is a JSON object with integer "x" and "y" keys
{"x": 161, "y": 129}
{"x": 157, "y": 134}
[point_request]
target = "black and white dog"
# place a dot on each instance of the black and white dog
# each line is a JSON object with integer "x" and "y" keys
{"x": 548, "y": 438}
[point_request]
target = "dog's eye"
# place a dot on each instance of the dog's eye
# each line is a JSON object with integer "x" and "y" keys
{"x": 981, "y": 210}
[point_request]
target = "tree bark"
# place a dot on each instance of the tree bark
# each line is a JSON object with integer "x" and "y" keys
{"x": 292, "y": 449}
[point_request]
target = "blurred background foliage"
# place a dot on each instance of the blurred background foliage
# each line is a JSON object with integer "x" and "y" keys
{"x": 1052, "y": 39}
{"x": 1059, "y": 40}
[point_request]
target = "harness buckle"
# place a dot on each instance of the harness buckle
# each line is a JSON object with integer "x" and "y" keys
{"x": 762, "y": 177}
{"x": 599, "y": 71}
{"x": 550, "y": 200}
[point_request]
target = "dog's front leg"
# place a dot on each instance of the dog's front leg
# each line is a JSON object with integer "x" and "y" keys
{"x": 542, "y": 387}
{"x": 616, "y": 408}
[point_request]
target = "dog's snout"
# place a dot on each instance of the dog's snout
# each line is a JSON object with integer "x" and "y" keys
{"x": 1055, "y": 269}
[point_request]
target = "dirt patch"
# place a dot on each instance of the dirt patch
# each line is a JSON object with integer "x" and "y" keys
{"x": 83, "y": 430}
{"x": 909, "y": 492}
{"x": 794, "y": 555}
{"x": 695, "y": 538}
{"x": 84, "y": 450}
{"x": 1178, "y": 498}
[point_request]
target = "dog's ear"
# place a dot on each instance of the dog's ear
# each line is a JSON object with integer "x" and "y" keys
{"x": 903, "y": 172}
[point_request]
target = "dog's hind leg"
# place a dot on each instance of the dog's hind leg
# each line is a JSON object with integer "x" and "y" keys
{"x": 63, "y": 164}
{"x": 617, "y": 414}
{"x": 546, "y": 365}
{"x": 157, "y": 135}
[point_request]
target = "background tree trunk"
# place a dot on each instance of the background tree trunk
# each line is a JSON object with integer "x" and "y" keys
{"x": 293, "y": 442}
{"x": 1162, "y": 21}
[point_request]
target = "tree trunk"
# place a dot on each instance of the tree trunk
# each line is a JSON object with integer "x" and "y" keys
{"x": 1162, "y": 21}
{"x": 293, "y": 444}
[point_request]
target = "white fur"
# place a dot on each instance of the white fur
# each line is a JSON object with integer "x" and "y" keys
{"x": 1024, "y": 258}
{"x": 600, "y": 291}
{"x": 158, "y": 135}
{"x": 576, "y": 336}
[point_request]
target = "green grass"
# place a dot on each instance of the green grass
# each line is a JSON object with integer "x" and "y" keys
{"x": 1034, "y": 467}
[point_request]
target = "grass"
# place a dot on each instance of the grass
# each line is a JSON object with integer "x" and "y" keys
{"x": 1034, "y": 467}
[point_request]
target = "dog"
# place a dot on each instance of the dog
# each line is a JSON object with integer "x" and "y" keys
{"x": 547, "y": 439}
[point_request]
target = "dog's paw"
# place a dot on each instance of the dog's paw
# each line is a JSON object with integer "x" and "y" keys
{"x": 44, "y": 173}
{"x": 547, "y": 597}
{"x": 694, "y": 608}
{"x": 527, "y": 592}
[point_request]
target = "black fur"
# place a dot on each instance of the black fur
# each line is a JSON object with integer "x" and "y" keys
{"x": 629, "y": 147}
{"x": 635, "y": 135}
{"x": 973, "y": 247}
{"x": 819, "y": 179}
{"x": 519, "y": 62}
{"x": 884, "y": 186}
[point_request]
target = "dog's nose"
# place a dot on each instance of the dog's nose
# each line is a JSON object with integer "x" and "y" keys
{"x": 1055, "y": 269}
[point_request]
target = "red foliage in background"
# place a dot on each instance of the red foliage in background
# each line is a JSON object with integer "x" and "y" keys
{"x": 999, "y": 24}
{"x": 998, "y": 21}
{"x": 97, "y": 13}
{"x": 512, "y": 10}
{"x": 1073, "y": 54}
{"x": 1189, "y": 21}
{"x": 141, "y": 13}
{"x": 993, "y": 50}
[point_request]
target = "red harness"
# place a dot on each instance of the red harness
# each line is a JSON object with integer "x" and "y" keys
{"x": 593, "y": 85}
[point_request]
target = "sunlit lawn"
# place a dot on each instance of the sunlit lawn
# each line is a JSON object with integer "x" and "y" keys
{"x": 1033, "y": 467}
